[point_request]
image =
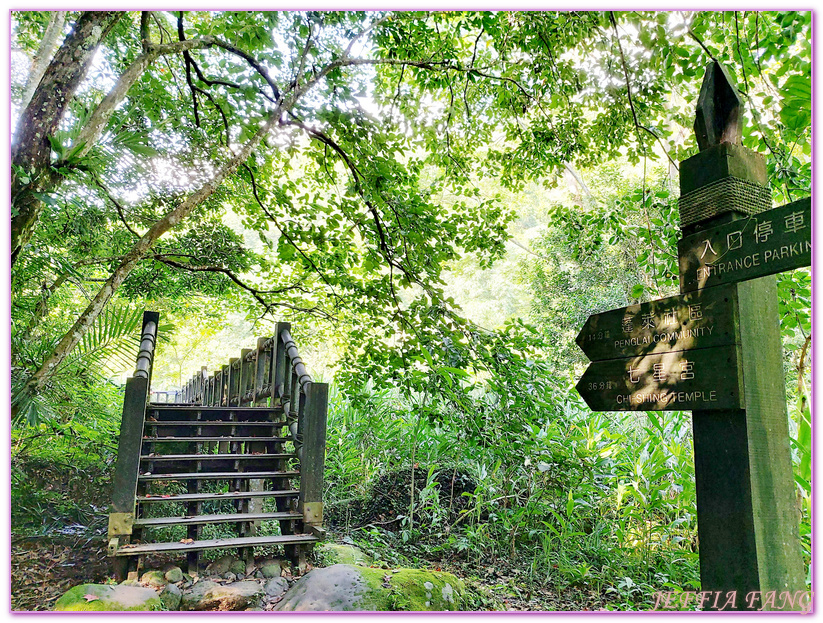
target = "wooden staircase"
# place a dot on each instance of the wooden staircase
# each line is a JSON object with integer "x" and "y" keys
{"x": 240, "y": 458}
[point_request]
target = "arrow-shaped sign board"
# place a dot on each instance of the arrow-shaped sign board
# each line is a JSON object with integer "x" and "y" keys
{"x": 706, "y": 379}
{"x": 698, "y": 320}
{"x": 770, "y": 242}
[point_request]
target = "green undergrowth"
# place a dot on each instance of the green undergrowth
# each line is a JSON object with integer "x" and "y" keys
{"x": 602, "y": 504}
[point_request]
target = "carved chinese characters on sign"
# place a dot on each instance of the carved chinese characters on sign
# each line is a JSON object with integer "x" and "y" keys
{"x": 697, "y": 320}
{"x": 706, "y": 378}
{"x": 770, "y": 242}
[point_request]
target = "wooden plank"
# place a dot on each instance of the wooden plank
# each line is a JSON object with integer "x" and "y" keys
{"x": 252, "y": 541}
{"x": 313, "y": 431}
{"x": 698, "y": 320}
{"x": 244, "y": 376}
{"x": 219, "y": 475}
{"x": 708, "y": 378}
{"x": 208, "y": 423}
{"x": 261, "y": 367}
{"x": 154, "y": 522}
{"x": 216, "y": 457}
{"x": 204, "y": 439}
{"x": 770, "y": 242}
{"x": 124, "y": 481}
{"x": 164, "y": 408}
{"x": 231, "y": 495}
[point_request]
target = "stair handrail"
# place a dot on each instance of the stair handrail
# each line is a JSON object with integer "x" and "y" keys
{"x": 135, "y": 399}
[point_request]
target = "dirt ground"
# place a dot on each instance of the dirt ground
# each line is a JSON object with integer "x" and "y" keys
{"x": 42, "y": 569}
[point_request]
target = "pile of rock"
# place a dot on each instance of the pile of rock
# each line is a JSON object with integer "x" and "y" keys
{"x": 226, "y": 584}
{"x": 349, "y": 583}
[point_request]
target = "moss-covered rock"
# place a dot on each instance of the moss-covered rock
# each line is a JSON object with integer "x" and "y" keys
{"x": 334, "y": 554}
{"x": 238, "y": 567}
{"x": 154, "y": 578}
{"x": 208, "y": 595}
{"x": 100, "y": 597}
{"x": 173, "y": 573}
{"x": 171, "y": 597}
{"x": 349, "y": 587}
{"x": 270, "y": 568}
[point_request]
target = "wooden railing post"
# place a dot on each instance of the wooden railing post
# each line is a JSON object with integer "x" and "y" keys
{"x": 124, "y": 481}
{"x": 280, "y": 367}
{"x": 245, "y": 376}
{"x": 313, "y": 429}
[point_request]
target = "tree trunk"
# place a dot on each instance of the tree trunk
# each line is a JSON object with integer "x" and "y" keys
{"x": 31, "y": 151}
{"x": 41, "y": 59}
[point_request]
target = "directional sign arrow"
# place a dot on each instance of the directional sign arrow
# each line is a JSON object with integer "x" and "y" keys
{"x": 770, "y": 242}
{"x": 705, "y": 379}
{"x": 698, "y": 320}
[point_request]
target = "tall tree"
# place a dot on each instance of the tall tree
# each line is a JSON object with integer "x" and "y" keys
{"x": 356, "y": 136}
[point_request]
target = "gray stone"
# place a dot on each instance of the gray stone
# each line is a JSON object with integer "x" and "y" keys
{"x": 173, "y": 573}
{"x": 230, "y": 576}
{"x": 171, "y": 597}
{"x": 276, "y": 587}
{"x": 209, "y": 595}
{"x": 270, "y": 568}
{"x": 221, "y": 566}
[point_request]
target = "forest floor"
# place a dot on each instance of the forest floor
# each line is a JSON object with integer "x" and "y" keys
{"x": 45, "y": 566}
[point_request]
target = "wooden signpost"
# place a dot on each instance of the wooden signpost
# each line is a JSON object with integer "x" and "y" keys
{"x": 707, "y": 378}
{"x": 770, "y": 242}
{"x": 726, "y": 366}
{"x": 698, "y": 320}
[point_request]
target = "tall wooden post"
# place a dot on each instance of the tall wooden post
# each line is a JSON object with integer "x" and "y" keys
{"x": 313, "y": 429}
{"x": 746, "y": 505}
{"x": 256, "y": 484}
{"x": 126, "y": 471}
{"x": 278, "y": 374}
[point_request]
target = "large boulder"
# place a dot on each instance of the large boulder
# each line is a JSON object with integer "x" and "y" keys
{"x": 349, "y": 587}
{"x": 101, "y": 597}
{"x": 208, "y": 595}
{"x": 335, "y": 553}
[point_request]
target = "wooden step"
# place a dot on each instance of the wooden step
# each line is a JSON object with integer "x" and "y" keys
{"x": 204, "y": 439}
{"x": 249, "y": 541}
{"x": 217, "y": 475}
{"x": 205, "y": 497}
{"x": 166, "y": 408}
{"x": 214, "y": 457}
{"x": 152, "y": 405}
{"x": 191, "y": 520}
{"x": 190, "y": 423}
